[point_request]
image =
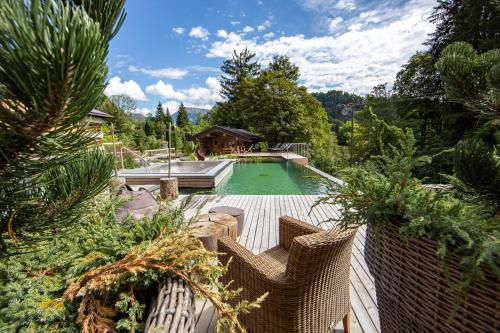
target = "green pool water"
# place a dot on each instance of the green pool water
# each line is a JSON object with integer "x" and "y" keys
{"x": 270, "y": 177}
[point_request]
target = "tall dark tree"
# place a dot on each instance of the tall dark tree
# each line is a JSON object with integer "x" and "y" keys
{"x": 240, "y": 66}
{"x": 474, "y": 21}
{"x": 168, "y": 118}
{"x": 160, "y": 114}
{"x": 182, "y": 116}
{"x": 282, "y": 65}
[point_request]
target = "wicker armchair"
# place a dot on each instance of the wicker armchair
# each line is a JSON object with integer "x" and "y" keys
{"x": 306, "y": 275}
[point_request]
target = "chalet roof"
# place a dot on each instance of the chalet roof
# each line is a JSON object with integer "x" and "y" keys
{"x": 99, "y": 114}
{"x": 237, "y": 132}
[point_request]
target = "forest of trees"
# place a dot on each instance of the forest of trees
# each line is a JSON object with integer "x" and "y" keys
{"x": 270, "y": 102}
{"x": 418, "y": 99}
{"x": 150, "y": 132}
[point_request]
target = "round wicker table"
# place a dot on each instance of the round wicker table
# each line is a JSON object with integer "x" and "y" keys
{"x": 211, "y": 226}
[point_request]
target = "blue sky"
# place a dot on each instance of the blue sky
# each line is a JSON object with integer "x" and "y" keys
{"x": 171, "y": 51}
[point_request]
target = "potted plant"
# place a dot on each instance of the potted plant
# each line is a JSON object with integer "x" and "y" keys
{"x": 435, "y": 255}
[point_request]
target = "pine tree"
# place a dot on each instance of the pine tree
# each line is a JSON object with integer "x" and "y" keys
{"x": 160, "y": 114}
{"x": 182, "y": 116}
{"x": 168, "y": 118}
{"x": 52, "y": 74}
{"x": 474, "y": 21}
{"x": 282, "y": 64}
{"x": 241, "y": 66}
{"x": 236, "y": 71}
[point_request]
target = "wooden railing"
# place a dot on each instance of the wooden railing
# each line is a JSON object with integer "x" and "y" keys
{"x": 144, "y": 157}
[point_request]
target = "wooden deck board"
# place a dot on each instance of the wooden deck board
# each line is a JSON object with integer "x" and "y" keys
{"x": 261, "y": 232}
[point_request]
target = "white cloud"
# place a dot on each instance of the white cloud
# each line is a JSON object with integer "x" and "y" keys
{"x": 165, "y": 90}
{"x": 327, "y": 6}
{"x": 354, "y": 60}
{"x": 269, "y": 35}
{"x": 130, "y": 88}
{"x": 233, "y": 23}
{"x": 222, "y": 33}
{"x": 169, "y": 73}
{"x": 264, "y": 26}
{"x": 204, "y": 97}
{"x": 199, "y": 32}
{"x": 172, "y": 106}
{"x": 346, "y": 4}
{"x": 179, "y": 30}
{"x": 334, "y": 23}
{"x": 247, "y": 29}
{"x": 144, "y": 111}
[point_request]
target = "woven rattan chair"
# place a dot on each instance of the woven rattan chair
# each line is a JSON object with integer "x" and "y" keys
{"x": 306, "y": 275}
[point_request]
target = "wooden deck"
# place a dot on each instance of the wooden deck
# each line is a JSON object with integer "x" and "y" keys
{"x": 261, "y": 232}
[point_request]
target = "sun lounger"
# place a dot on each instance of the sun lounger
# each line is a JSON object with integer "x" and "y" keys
{"x": 276, "y": 148}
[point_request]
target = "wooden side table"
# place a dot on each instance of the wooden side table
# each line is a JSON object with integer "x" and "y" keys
{"x": 212, "y": 226}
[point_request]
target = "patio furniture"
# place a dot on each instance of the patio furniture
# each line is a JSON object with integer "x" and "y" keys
{"x": 276, "y": 148}
{"x": 210, "y": 227}
{"x": 285, "y": 147}
{"x": 246, "y": 150}
{"x": 237, "y": 213}
{"x": 138, "y": 203}
{"x": 235, "y": 150}
{"x": 306, "y": 275}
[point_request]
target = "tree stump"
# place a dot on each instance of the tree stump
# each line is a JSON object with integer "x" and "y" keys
{"x": 208, "y": 233}
{"x": 227, "y": 221}
{"x": 169, "y": 188}
{"x": 173, "y": 310}
{"x": 210, "y": 227}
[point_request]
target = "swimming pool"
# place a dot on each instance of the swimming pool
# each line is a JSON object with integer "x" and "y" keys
{"x": 270, "y": 177}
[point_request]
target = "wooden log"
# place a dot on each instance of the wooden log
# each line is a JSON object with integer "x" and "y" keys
{"x": 227, "y": 221}
{"x": 173, "y": 310}
{"x": 208, "y": 232}
{"x": 169, "y": 188}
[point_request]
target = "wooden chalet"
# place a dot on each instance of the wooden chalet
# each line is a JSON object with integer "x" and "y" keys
{"x": 95, "y": 119}
{"x": 224, "y": 140}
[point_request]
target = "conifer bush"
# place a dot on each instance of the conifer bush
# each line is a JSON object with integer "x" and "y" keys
{"x": 384, "y": 192}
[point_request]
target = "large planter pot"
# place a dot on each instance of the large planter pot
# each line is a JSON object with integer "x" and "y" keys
{"x": 414, "y": 296}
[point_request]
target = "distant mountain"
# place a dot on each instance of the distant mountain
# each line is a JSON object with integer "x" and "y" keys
{"x": 138, "y": 116}
{"x": 192, "y": 114}
{"x": 335, "y": 101}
